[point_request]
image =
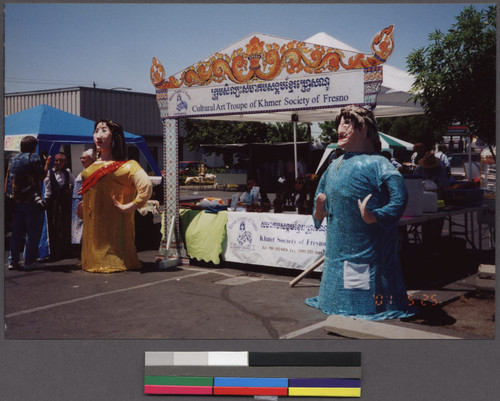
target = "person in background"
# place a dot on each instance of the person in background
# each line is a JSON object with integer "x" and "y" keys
{"x": 443, "y": 159}
{"x": 23, "y": 185}
{"x": 363, "y": 197}
{"x": 86, "y": 158}
{"x": 435, "y": 179}
{"x": 301, "y": 167}
{"x": 112, "y": 189}
{"x": 300, "y": 195}
{"x": 418, "y": 153}
{"x": 245, "y": 198}
{"x": 280, "y": 199}
{"x": 59, "y": 185}
{"x": 430, "y": 168}
{"x": 398, "y": 166}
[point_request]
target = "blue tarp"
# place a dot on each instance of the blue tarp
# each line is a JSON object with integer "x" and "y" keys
{"x": 54, "y": 127}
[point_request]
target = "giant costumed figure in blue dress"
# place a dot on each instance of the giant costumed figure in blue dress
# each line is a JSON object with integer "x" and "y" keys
{"x": 362, "y": 197}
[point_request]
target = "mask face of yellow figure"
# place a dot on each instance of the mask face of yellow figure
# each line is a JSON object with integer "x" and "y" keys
{"x": 102, "y": 137}
{"x": 351, "y": 139}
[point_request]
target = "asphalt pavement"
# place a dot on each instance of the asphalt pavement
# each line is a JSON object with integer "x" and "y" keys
{"x": 227, "y": 301}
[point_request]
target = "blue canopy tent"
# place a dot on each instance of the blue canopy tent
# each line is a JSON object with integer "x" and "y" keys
{"x": 53, "y": 128}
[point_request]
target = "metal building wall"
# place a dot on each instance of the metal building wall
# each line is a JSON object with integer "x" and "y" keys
{"x": 136, "y": 112}
{"x": 64, "y": 99}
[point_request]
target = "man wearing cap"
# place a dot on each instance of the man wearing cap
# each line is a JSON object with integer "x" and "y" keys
{"x": 430, "y": 168}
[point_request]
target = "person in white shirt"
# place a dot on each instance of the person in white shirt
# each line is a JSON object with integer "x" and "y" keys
{"x": 443, "y": 159}
{"x": 245, "y": 200}
{"x": 86, "y": 158}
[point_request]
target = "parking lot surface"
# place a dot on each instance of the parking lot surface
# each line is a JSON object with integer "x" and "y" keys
{"x": 230, "y": 301}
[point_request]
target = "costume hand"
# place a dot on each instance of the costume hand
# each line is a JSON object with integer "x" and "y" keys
{"x": 79, "y": 210}
{"x": 367, "y": 216}
{"x": 125, "y": 208}
{"x": 320, "y": 207}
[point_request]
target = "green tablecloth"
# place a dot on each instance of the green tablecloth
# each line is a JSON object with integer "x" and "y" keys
{"x": 203, "y": 234}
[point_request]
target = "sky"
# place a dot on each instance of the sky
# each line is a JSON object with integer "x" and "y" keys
{"x": 49, "y": 46}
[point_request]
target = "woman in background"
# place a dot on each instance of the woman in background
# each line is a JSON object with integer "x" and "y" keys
{"x": 113, "y": 189}
{"x": 86, "y": 158}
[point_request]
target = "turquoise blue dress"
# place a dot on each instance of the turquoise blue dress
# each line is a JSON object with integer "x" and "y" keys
{"x": 362, "y": 275}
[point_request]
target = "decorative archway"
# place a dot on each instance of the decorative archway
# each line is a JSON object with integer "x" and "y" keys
{"x": 261, "y": 78}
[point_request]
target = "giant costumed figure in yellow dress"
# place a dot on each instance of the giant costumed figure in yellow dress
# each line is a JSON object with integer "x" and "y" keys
{"x": 112, "y": 189}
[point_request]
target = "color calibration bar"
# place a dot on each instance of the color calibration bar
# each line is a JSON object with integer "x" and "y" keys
{"x": 306, "y": 374}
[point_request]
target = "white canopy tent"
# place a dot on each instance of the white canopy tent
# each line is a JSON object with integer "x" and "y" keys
{"x": 394, "y": 97}
{"x": 270, "y": 79}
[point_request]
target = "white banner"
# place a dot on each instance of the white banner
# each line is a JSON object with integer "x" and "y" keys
{"x": 328, "y": 90}
{"x": 281, "y": 240}
{"x": 13, "y": 142}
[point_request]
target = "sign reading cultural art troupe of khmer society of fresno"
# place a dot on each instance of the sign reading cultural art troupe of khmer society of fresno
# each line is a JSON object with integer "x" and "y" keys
{"x": 262, "y": 74}
{"x": 260, "y": 97}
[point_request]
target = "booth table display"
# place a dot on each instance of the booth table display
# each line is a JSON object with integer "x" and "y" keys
{"x": 203, "y": 234}
{"x": 286, "y": 240}
{"x": 279, "y": 240}
{"x": 470, "y": 225}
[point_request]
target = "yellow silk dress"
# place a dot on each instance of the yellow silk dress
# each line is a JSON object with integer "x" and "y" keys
{"x": 108, "y": 239}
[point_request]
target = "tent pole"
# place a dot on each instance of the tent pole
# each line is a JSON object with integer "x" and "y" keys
{"x": 469, "y": 156}
{"x": 295, "y": 118}
{"x": 170, "y": 251}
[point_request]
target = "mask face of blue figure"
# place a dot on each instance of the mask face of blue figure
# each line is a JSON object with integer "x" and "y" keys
{"x": 351, "y": 139}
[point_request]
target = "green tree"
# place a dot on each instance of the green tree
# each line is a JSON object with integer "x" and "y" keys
{"x": 455, "y": 74}
{"x": 328, "y": 132}
{"x": 411, "y": 128}
{"x": 283, "y": 132}
{"x": 216, "y": 132}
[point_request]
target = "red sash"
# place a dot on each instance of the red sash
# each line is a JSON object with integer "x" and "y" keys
{"x": 94, "y": 178}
